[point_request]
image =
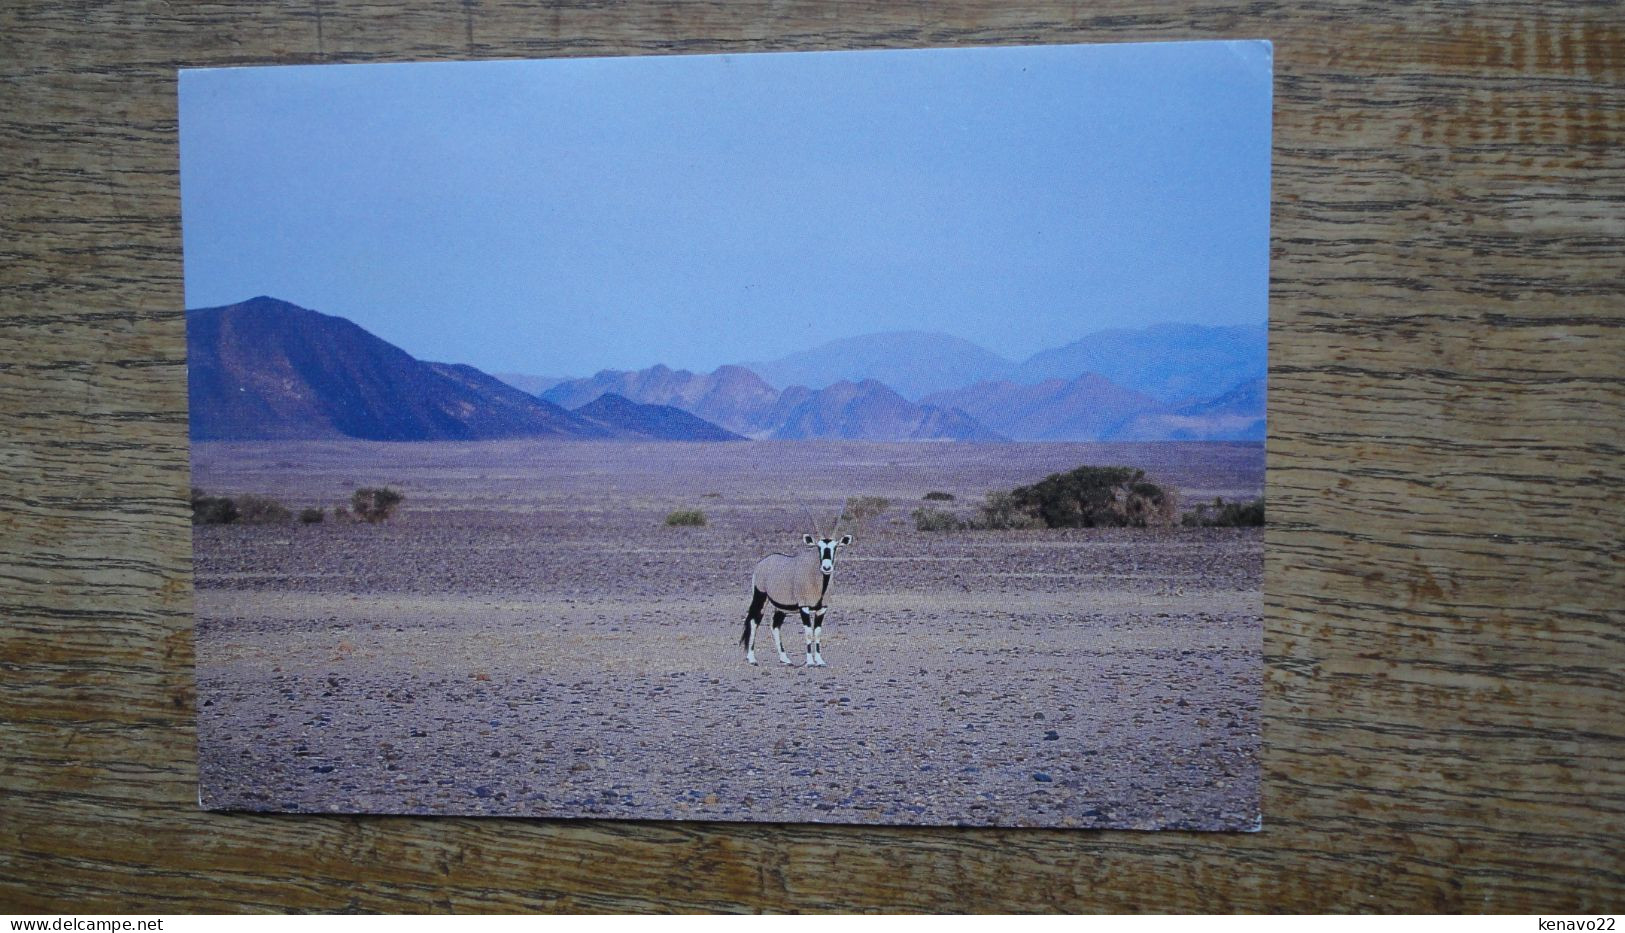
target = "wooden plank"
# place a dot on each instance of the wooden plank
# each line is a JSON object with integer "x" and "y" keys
{"x": 1445, "y": 714}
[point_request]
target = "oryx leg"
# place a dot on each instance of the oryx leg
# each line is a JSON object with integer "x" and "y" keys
{"x": 778, "y": 620}
{"x": 753, "y": 618}
{"x": 807, "y": 633}
{"x": 818, "y": 638}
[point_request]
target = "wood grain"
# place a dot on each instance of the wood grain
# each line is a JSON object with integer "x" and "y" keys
{"x": 1445, "y": 725}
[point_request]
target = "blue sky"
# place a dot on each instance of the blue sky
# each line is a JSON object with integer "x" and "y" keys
{"x": 564, "y": 216}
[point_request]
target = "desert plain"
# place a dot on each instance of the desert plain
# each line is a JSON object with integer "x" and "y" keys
{"x": 527, "y": 637}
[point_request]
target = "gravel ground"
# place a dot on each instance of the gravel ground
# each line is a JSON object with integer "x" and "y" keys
{"x": 528, "y": 638}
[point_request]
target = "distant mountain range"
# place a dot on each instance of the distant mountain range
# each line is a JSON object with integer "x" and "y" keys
{"x": 1172, "y": 363}
{"x": 738, "y": 400}
{"x": 869, "y": 410}
{"x": 732, "y": 396}
{"x": 266, "y": 369}
{"x": 624, "y": 417}
{"x": 531, "y": 385}
{"x": 1237, "y": 415}
{"x": 912, "y": 363}
{"x": 1166, "y": 382}
{"x": 1089, "y": 407}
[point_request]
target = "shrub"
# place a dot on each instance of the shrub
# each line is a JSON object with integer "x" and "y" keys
{"x": 1222, "y": 514}
{"x": 1087, "y": 497}
{"x": 1002, "y": 511}
{"x": 689, "y": 517}
{"x": 937, "y": 495}
{"x": 311, "y": 516}
{"x": 863, "y": 508}
{"x": 1095, "y": 497}
{"x": 937, "y": 520}
{"x": 375, "y": 505}
{"x": 261, "y": 510}
{"x": 212, "y": 510}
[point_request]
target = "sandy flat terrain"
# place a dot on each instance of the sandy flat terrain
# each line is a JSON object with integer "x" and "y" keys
{"x": 527, "y": 637}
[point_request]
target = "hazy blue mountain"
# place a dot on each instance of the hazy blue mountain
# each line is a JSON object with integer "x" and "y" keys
{"x": 500, "y": 410}
{"x": 736, "y": 399}
{"x": 634, "y": 420}
{"x": 1083, "y": 409}
{"x": 1173, "y": 363}
{"x": 789, "y": 400}
{"x": 531, "y": 385}
{"x": 1235, "y": 415}
{"x": 732, "y": 397}
{"x": 267, "y": 369}
{"x": 869, "y": 410}
{"x": 1247, "y": 398}
{"x": 913, "y": 363}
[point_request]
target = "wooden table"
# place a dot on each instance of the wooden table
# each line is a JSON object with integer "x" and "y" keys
{"x": 1444, "y": 718}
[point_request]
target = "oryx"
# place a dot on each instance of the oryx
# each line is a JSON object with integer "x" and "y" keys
{"x": 794, "y": 584}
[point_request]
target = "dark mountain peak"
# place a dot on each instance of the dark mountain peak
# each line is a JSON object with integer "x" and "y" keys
{"x": 264, "y": 306}
{"x": 267, "y": 369}
{"x": 609, "y": 403}
{"x": 263, "y": 303}
{"x": 731, "y": 396}
{"x": 636, "y": 420}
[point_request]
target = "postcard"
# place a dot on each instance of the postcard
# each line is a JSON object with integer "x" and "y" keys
{"x": 856, "y": 437}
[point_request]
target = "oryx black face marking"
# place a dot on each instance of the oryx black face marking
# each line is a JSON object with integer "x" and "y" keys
{"x": 794, "y": 584}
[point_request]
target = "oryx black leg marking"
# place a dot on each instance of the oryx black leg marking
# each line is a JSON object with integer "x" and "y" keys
{"x": 807, "y": 633}
{"x": 818, "y": 637}
{"x": 752, "y": 618}
{"x": 778, "y": 620}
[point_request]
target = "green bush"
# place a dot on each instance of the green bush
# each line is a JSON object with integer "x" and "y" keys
{"x": 937, "y": 495}
{"x": 311, "y": 516}
{"x": 863, "y": 508}
{"x": 212, "y": 510}
{"x": 1095, "y": 497}
{"x": 1002, "y": 511}
{"x": 375, "y": 505}
{"x": 261, "y": 510}
{"x": 937, "y": 520}
{"x": 1222, "y": 514}
{"x": 1087, "y": 497}
{"x": 688, "y": 517}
